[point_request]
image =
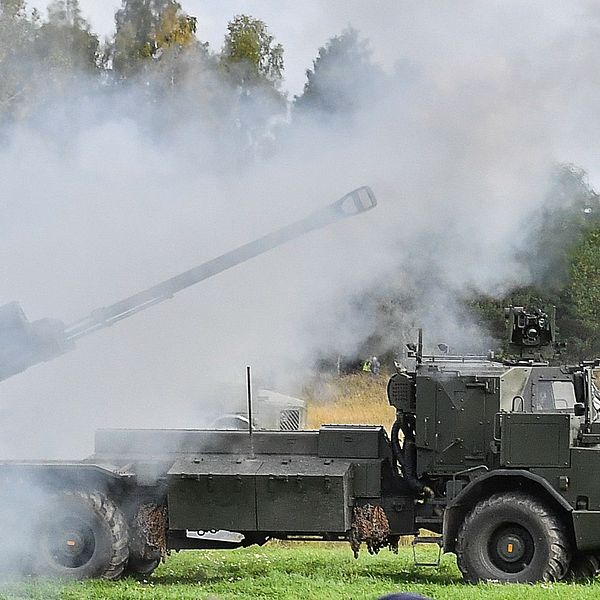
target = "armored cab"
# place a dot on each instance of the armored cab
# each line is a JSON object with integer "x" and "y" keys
{"x": 504, "y": 455}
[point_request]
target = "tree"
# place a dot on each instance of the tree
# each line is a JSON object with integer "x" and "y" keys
{"x": 250, "y": 53}
{"x": 252, "y": 65}
{"x": 17, "y": 33}
{"x": 65, "y": 45}
{"x": 149, "y": 29}
{"x": 584, "y": 289}
{"x": 343, "y": 77}
{"x": 558, "y": 226}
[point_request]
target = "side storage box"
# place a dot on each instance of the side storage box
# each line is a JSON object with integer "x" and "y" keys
{"x": 213, "y": 494}
{"x": 304, "y": 495}
{"x": 535, "y": 440}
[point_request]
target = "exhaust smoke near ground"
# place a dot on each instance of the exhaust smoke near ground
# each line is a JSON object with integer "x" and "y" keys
{"x": 457, "y": 125}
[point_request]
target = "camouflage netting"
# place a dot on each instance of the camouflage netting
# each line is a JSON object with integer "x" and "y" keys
{"x": 370, "y": 525}
{"x": 149, "y": 532}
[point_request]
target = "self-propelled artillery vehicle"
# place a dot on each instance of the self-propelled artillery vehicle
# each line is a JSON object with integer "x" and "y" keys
{"x": 497, "y": 461}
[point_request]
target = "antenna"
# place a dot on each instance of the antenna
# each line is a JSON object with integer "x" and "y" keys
{"x": 250, "y": 427}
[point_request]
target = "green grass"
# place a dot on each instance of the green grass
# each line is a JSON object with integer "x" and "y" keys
{"x": 301, "y": 571}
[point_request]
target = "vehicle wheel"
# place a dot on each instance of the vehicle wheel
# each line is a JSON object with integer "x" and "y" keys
{"x": 511, "y": 537}
{"x": 139, "y": 568}
{"x": 584, "y": 567}
{"x": 81, "y": 535}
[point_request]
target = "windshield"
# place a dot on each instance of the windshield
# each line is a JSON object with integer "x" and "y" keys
{"x": 554, "y": 396}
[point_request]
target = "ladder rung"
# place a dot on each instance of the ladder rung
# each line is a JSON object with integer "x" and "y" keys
{"x": 428, "y": 519}
{"x": 427, "y": 540}
{"x": 437, "y": 540}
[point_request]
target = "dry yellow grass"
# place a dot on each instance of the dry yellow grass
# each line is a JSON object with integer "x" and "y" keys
{"x": 353, "y": 399}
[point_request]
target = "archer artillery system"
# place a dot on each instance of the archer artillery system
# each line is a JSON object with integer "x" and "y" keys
{"x": 499, "y": 461}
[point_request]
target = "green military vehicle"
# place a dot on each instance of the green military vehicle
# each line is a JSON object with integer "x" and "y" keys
{"x": 497, "y": 461}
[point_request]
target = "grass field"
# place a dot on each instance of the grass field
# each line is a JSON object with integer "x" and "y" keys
{"x": 297, "y": 572}
{"x": 353, "y": 399}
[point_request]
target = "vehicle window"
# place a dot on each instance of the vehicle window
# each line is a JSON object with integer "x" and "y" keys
{"x": 564, "y": 395}
{"x": 596, "y": 395}
{"x": 554, "y": 395}
{"x": 544, "y": 398}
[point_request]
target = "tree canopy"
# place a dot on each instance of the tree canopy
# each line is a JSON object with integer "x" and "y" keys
{"x": 250, "y": 52}
{"x": 145, "y": 29}
{"x": 343, "y": 77}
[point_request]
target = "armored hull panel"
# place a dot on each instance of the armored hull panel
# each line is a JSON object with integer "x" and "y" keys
{"x": 331, "y": 441}
{"x": 213, "y": 493}
{"x": 304, "y": 495}
{"x": 296, "y": 494}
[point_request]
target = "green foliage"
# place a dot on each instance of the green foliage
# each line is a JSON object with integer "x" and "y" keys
{"x": 18, "y": 29}
{"x": 564, "y": 258}
{"x": 65, "y": 45}
{"x": 145, "y": 29}
{"x": 37, "y": 58}
{"x": 584, "y": 289}
{"x": 250, "y": 53}
{"x": 343, "y": 77}
{"x": 569, "y": 209}
{"x": 296, "y": 572}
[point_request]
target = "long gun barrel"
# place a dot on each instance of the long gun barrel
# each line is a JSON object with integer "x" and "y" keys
{"x": 24, "y": 344}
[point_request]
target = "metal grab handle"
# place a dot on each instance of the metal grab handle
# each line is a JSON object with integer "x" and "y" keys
{"x": 497, "y": 433}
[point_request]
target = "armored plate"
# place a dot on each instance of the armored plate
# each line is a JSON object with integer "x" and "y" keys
{"x": 164, "y": 442}
{"x": 213, "y": 492}
{"x": 304, "y": 495}
{"x": 352, "y": 441}
{"x": 535, "y": 440}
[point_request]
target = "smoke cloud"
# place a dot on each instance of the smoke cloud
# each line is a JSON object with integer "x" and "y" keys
{"x": 105, "y": 193}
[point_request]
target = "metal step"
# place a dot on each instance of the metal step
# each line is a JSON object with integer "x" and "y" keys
{"x": 429, "y": 520}
{"x": 424, "y": 539}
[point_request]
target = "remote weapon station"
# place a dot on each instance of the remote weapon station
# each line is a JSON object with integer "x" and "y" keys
{"x": 499, "y": 462}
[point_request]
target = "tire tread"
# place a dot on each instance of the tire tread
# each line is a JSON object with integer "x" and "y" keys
{"x": 110, "y": 513}
{"x": 558, "y": 563}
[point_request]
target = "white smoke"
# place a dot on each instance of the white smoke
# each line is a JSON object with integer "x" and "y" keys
{"x": 479, "y": 103}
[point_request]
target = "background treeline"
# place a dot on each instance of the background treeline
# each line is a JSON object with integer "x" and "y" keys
{"x": 184, "y": 87}
{"x": 157, "y": 49}
{"x": 562, "y": 255}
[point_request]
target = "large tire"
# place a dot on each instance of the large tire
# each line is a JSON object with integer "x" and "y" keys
{"x": 139, "y": 568}
{"x": 512, "y": 537}
{"x": 81, "y": 535}
{"x": 584, "y": 567}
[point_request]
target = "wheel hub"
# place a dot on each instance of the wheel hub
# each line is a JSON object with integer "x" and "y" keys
{"x": 511, "y": 548}
{"x": 72, "y": 543}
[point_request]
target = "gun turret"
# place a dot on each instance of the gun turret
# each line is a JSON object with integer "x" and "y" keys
{"x": 530, "y": 332}
{"x": 24, "y": 343}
